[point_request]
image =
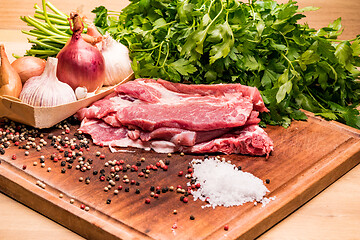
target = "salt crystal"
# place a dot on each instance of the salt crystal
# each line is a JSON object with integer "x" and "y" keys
{"x": 222, "y": 184}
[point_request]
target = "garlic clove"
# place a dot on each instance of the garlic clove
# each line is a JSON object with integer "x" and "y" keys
{"x": 80, "y": 93}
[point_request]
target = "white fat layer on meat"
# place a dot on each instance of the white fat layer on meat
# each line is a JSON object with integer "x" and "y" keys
{"x": 163, "y": 146}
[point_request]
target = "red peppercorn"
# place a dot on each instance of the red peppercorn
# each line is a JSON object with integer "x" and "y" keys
{"x": 112, "y": 170}
{"x": 102, "y": 178}
{"x": 179, "y": 186}
{"x": 81, "y": 149}
{"x": 193, "y": 186}
{"x": 132, "y": 181}
{"x": 17, "y": 143}
{"x": 147, "y": 200}
{"x": 141, "y": 174}
{"x": 148, "y": 167}
{"x": 72, "y": 147}
{"x": 121, "y": 161}
{"x": 226, "y": 227}
{"x": 165, "y": 168}
{"x": 61, "y": 150}
{"x": 190, "y": 170}
{"x": 101, "y": 144}
{"x": 55, "y": 159}
{"x": 82, "y": 206}
{"x": 135, "y": 168}
{"x": 120, "y": 187}
{"x": 154, "y": 168}
{"x": 102, "y": 156}
{"x": 185, "y": 199}
{"x": 24, "y": 167}
{"x": 158, "y": 188}
{"x": 70, "y": 154}
{"x": 67, "y": 130}
{"x": 158, "y": 164}
{"x": 180, "y": 173}
{"x": 156, "y": 195}
{"x": 66, "y": 145}
{"x": 198, "y": 185}
{"x": 13, "y": 157}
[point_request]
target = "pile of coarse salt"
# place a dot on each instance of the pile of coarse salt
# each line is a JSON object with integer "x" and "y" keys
{"x": 222, "y": 184}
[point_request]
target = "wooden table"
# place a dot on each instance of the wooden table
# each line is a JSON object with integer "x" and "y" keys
{"x": 333, "y": 214}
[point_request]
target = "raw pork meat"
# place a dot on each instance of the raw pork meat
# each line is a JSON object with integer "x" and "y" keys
{"x": 169, "y": 117}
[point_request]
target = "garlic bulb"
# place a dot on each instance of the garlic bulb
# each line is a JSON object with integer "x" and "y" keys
{"x": 46, "y": 90}
{"x": 117, "y": 61}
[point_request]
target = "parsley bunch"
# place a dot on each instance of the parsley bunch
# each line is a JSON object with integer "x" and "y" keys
{"x": 259, "y": 44}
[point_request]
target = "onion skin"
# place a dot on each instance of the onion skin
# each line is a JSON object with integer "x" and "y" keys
{"x": 10, "y": 82}
{"x": 81, "y": 64}
{"x": 28, "y": 67}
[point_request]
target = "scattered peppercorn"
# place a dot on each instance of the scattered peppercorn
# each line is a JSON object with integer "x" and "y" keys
{"x": 226, "y": 227}
{"x": 108, "y": 201}
{"x": 192, "y": 217}
{"x": 267, "y": 181}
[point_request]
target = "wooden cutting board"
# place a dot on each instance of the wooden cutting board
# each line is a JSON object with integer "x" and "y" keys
{"x": 308, "y": 157}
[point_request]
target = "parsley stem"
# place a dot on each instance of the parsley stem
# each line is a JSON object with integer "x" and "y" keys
{"x": 308, "y": 90}
{"x": 290, "y": 63}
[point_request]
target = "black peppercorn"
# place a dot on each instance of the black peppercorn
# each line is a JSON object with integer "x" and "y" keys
{"x": 63, "y": 170}
{"x": 127, "y": 189}
{"x": 108, "y": 201}
{"x": 152, "y": 188}
{"x": 63, "y": 163}
{"x": 69, "y": 166}
{"x": 267, "y": 181}
{"x": 137, "y": 191}
{"x": 239, "y": 168}
{"x": 95, "y": 172}
{"x": 192, "y": 217}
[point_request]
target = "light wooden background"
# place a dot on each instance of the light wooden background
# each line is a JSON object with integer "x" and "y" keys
{"x": 333, "y": 214}
{"x": 10, "y": 10}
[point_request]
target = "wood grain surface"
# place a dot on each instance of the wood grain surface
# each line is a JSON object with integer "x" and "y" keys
{"x": 333, "y": 214}
{"x": 308, "y": 157}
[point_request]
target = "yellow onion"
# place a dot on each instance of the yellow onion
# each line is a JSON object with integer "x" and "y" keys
{"x": 28, "y": 67}
{"x": 10, "y": 82}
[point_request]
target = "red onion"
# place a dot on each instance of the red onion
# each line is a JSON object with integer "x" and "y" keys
{"x": 80, "y": 64}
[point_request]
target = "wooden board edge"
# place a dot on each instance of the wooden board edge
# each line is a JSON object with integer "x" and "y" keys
{"x": 71, "y": 217}
{"x": 329, "y": 175}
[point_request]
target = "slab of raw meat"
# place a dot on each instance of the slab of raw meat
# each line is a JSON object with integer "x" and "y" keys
{"x": 217, "y": 90}
{"x": 182, "y": 137}
{"x": 252, "y": 140}
{"x": 196, "y": 113}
